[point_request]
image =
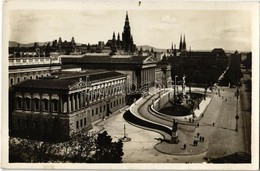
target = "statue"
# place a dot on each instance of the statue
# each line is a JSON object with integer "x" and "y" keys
{"x": 183, "y": 86}
{"x": 174, "y": 138}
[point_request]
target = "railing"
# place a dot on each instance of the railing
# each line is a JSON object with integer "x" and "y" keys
{"x": 32, "y": 61}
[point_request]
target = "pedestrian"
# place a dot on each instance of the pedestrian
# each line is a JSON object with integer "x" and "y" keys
{"x": 184, "y": 146}
{"x": 198, "y": 134}
{"x": 200, "y": 139}
{"x": 226, "y": 99}
{"x": 213, "y": 124}
{"x": 194, "y": 142}
{"x": 198, "y": 124}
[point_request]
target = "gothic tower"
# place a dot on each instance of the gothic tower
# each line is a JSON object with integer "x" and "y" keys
{"x": 184, "y": 44}
{"x": 113, "y": 46}
{"x": 180, "y": 46}
{"x": 118, "y": 43}
{"x": 127, "y": 39}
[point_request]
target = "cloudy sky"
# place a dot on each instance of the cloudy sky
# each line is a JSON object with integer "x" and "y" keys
{"x": 204, "y": 29}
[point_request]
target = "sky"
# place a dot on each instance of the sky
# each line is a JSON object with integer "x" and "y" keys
{"x": 203, "y": 29}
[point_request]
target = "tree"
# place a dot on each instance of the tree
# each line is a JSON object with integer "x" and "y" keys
{"x": 106, "y": 150}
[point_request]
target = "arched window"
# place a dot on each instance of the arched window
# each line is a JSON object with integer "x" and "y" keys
{"x": 54, "y": 104}
{"x": 36, "y": 104}
{"x": 27, "y": 104}
{"x": 18, "y": 102}
{"x": 45, "y": 105}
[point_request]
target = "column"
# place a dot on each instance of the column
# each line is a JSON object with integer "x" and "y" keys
{"x": 49, "y": 104}
{"x": 60, "y": 106}
{"x": 72, "y": 102}
{"x": 77, "y": 101}
{"x": 40, "y": 109}
{"x": 31, "y": 102}
{"x": 84, "y": 99}
{"x": 68, "y": 104}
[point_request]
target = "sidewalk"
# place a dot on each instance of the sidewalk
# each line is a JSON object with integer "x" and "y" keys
{"x": 98, "y": 124}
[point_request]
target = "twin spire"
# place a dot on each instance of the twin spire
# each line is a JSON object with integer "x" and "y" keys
{"x": 182, "y": 45}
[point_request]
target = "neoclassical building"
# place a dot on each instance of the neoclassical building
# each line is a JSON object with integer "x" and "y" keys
{"x": 67, "y": 103}
{"x": 31, "y": 67}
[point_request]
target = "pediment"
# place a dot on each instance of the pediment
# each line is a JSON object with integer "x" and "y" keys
{"x": 149, "y": 59}
{"x": 78, "y": 85}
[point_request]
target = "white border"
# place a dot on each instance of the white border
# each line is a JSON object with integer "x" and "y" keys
{"x": 132, "y": 4}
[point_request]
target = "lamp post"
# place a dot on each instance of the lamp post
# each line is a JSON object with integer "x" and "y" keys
{"x": 237, "y": 117}
{"x": 175, "y": 87}
{"x": 124, "y": 131}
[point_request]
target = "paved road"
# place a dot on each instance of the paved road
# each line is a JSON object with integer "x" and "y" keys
{"x": 222, "y": 138}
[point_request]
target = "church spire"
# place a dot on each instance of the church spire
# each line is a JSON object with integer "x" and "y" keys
{"x": 184, "y": 44}
{"x": 180, "y": 46}
{"x": 118, "y": 37}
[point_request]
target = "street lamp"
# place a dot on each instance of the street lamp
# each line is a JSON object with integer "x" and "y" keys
{"x": 175, "y": 87}
{"x": 124, "y": 131}
{"x": 237, "y": 117}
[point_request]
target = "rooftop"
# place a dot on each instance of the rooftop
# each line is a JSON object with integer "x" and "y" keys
{"x": 47, "y": 83}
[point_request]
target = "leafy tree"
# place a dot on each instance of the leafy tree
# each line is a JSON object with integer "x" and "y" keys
{"x": 80, "y": 148}
{"x": 108, "y": 151}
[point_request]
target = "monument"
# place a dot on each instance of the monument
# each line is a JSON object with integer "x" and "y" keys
{"x": 174, "y": 138}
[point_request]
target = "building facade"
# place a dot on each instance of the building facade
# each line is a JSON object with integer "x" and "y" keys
{"x": 34, "y": 67}
{"x": 65, "y": 104}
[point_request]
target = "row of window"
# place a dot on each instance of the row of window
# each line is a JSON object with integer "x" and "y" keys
{"x": 101, "y": 93}
{"x": 80, "y": 124}
{"x": 19, "y": 79}
{"x": 35, "y": 105}
{"x": 22, "y": 123}
{"x": 111, "y": 105}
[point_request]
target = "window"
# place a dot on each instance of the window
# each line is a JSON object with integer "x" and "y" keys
{"x": 92, "y": 112}
{"x": 111, "y": 104}
{"x": 19, "y": 103}
{"x": 100, "y": 110}
{"x": 85, "y": 121}
{"x": 11, "y": 81}
{"x": 24, "y": 78}
{"x": 45, "y": 105}
{"x": 96, "y": 111}
{"x": 30, "y": 77}
{"x": 18, "y": 80}
{"x": 114, "y": 103}
{"x": 27, "y": 103}
{"x": 77, "y": 124}
{"x": 36, "y": 103}
{"x": 54, "y": 105}
{"x": 81, "y": 122}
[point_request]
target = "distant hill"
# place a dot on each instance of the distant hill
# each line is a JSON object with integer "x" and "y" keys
{"x": 147, "y": 47}
{"x": 15, "y": 44}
